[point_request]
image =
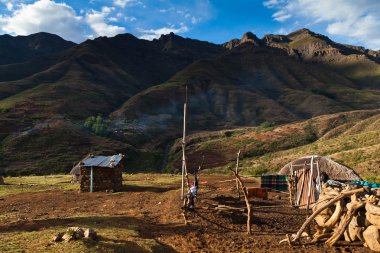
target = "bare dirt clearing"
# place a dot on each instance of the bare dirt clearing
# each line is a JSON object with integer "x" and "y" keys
{"x": 145, "y": 217}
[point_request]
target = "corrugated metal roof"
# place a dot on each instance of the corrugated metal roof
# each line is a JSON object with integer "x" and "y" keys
{"x": 103, "y": 161}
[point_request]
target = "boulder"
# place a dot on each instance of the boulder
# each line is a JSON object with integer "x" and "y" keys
{"x": 58, "y": 237}
{"x": 73, "y": 233}
{"x": 68, "y": 237}
{"x": 90, "y": 234}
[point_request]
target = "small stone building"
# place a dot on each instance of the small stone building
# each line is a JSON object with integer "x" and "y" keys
{"x": 101, "y": 173}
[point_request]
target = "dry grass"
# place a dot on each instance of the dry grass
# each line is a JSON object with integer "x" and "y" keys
{"x": 14, "y": 185}
{"x": 112, "y": 238}
{"x": 116, "y": 233}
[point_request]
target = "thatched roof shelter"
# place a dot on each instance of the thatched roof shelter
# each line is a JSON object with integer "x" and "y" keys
{"x": 334, "y": 170}
{"x": 75, "y": 171}
{"x": 305, "y": 177}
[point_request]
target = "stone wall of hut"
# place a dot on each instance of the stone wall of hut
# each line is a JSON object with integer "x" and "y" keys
{"x": 104, "y": 179}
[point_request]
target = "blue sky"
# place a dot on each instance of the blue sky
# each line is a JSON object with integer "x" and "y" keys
{"x": 346, "y": 21}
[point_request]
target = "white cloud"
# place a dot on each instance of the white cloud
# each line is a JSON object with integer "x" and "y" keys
{"x": 281, "y": 16}
{"x": 122, "y": 3}
{"x": 97, "y": 21}
{"x": 130, "y": 19}
{"x": 195, "y": 20}
{"x": 44, "y": 16}
{"x": 9, "y": 6}
{"x": 273, "y": 3}
{"x": 112, "y": 19}
{"x": 356, "y": 20}
{"x": 154, "y": 34}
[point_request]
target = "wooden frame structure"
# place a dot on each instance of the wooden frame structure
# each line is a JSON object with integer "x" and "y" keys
{"x": 305, "y": 182}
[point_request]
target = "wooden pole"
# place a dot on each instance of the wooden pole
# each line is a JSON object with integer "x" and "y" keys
{"x": 92, "y": 180}
{"x": 249, "y": 214}
{"x": 310, "y": 185}
{"x": 184, "y": 168}
{"x": 291, "y": 184}
{"x": 301, "y": 190}
{"x": 201, "y": 166}
{"x": 236, "y": 172}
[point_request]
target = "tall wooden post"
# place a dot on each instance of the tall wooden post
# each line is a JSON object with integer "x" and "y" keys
{"x": 290, "y": 184}
{"x": 184, "y": 169}
{"x": 310, "y": 185}
{"x": 237, "y": 172}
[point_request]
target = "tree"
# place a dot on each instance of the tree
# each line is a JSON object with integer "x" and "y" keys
{"x": 96, "y": 125}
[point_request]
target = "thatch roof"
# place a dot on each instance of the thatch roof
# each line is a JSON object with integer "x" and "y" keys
{"x": 334, "y": 170}
{"x": 76, "y": 169}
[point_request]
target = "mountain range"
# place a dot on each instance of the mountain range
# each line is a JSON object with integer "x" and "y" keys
{"x": 49, "y": 87}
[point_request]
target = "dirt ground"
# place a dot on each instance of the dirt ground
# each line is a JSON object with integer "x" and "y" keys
{"x": 154, "y": 208}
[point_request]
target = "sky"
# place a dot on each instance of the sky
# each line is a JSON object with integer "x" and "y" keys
{"x": 355, "y": 22}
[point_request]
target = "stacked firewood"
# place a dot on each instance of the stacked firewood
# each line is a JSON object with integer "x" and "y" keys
{"x": 346, "y": 212}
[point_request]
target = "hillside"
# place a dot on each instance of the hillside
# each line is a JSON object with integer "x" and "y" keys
{"x": 92, "y": 78}
{"x": 97, "y": 76}
{"x": 351, "y": 138}
{"x": 249, "y": 85}
{"x": 139, "y": 88}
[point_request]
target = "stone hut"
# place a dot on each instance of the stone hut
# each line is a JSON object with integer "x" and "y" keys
{"x": 101, "y": 173}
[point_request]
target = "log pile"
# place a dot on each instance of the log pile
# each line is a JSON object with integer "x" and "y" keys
{"x": 345, "y": 213}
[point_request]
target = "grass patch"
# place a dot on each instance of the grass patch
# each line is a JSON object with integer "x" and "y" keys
{"x": 113, "y": 236}
{"x": 151, "y": 179}
{"x": 14, "y": 185}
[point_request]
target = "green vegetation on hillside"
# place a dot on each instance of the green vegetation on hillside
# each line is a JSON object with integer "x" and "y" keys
{"x": 96, "y": 125}
{"x": 350, "y": 138}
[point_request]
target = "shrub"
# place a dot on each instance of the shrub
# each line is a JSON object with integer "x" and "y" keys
{"x": 311, "y": 132}
{"x": 96, "y": 125}
{"x": 267, "y": 124}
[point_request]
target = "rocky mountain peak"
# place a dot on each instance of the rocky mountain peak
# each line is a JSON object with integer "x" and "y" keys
{"x": 247, "y": 37}
{"x": 170, "y": 41}
{"x": 251, "y": 38}
{"x": 273, "y": 38}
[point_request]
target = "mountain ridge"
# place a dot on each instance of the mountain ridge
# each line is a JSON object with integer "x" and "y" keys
{"x": 139, "y": 88}
{"x": 17, "y": 49}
